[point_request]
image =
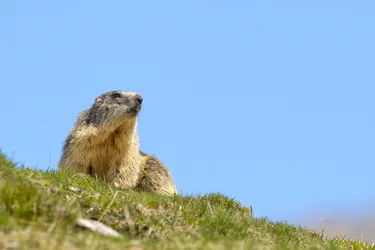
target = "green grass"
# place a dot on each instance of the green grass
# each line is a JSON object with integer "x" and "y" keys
{"x": 38, "y": 210}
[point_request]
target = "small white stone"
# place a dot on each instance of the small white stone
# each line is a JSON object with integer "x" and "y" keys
{"x": 97, "y": 226}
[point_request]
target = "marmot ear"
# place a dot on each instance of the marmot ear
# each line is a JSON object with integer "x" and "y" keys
{"x": 98, "y": 100}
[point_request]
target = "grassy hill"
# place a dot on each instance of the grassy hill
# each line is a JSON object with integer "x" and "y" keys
{"x": 39, "y": 210}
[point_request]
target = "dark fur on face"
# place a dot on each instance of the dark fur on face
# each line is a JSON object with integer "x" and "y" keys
{"x": 114, "y": 105}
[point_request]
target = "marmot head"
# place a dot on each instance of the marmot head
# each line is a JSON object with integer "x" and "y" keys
{"x": 115, "y": 105}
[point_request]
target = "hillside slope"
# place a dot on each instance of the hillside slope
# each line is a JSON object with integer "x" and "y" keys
{"x": 39, "y": 210}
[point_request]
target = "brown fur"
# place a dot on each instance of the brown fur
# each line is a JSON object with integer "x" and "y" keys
{"x": 155, "y": 177}
{"x": 104, "y": 143}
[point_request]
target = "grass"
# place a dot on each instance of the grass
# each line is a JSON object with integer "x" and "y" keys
{"x": 39, "y": 209}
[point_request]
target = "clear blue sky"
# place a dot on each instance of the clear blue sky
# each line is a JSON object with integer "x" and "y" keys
{"x": 271, "y": 102}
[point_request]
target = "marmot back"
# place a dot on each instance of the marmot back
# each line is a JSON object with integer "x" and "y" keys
{"x": 155, "y": 176}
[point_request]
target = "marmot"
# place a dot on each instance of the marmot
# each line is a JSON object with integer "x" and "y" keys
{"x": 104, "y": 143}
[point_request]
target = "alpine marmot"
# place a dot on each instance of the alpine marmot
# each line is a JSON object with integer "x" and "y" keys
{"x": 104, "y": 143}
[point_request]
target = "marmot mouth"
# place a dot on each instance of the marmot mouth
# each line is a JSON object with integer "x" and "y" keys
{"x": 135, "y": 110}
{"x": 138, "y": 107}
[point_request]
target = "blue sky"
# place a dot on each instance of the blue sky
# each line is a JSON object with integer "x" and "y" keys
{"x": 271, "y": 102}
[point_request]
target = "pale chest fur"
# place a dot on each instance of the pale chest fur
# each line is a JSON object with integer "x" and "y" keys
{"x": 115, "y": 158}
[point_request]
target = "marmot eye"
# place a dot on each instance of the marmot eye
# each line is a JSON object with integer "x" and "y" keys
{"x": 116, "y": 95}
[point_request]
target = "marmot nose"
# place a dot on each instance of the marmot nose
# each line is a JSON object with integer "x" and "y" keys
{"x": 139, "y": 99}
